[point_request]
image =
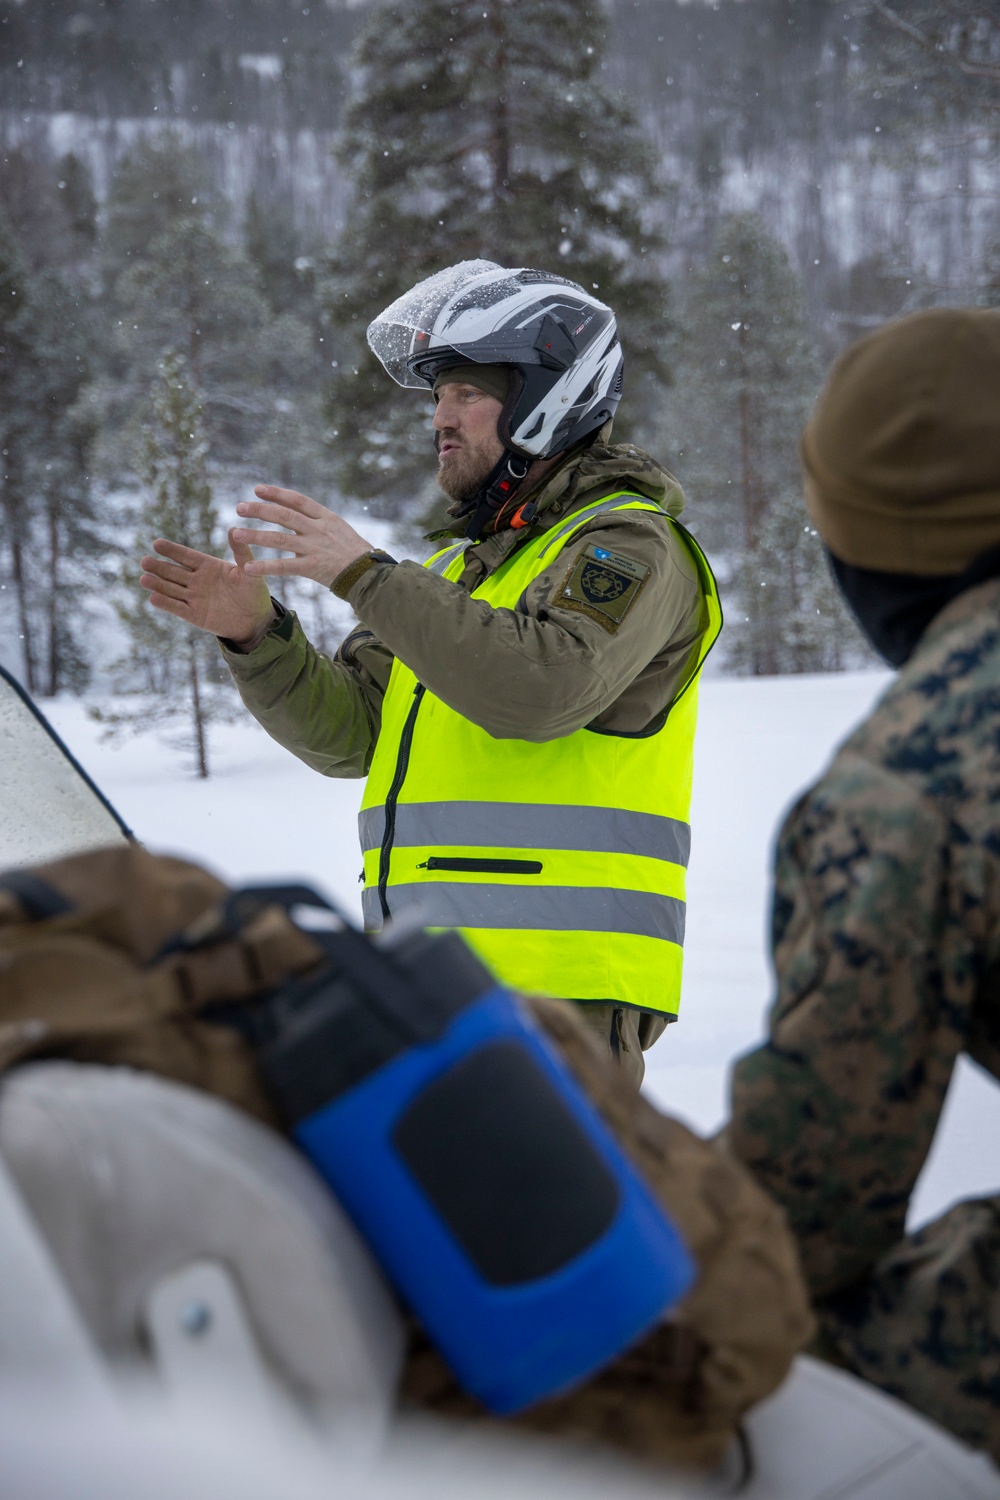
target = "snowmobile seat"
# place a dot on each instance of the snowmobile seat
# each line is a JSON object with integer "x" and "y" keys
{"x": 185, "y": 1247}
{"x": 198, "y": 1248}
{"x": 826, "y": 1435}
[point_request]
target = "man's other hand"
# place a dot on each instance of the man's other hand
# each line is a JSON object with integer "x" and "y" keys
{"x": 210, "y": 592}
{"x": 322, "y": 543}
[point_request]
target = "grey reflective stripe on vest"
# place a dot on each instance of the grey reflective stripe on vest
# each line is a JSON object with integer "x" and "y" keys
{"x": 581, "y": 517}
{"x": 532, "y": 908}
{"x": 529, "y": 825}
{"x": 447, "y": 558}
{"x": 529, "y": 908}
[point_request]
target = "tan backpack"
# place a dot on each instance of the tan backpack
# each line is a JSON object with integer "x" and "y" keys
{"x": 120, "y": 957}
{"x": 111, "y": 957}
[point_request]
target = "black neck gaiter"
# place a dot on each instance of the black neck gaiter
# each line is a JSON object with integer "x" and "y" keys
{"x": 894, "y": 609}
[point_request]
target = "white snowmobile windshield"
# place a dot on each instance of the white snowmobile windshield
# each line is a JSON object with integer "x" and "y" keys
{"x": 412, "y": 324}
{"x": 50, "y": 808}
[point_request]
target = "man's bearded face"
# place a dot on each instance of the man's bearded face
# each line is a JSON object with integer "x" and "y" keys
{"x": 465, "y": 434}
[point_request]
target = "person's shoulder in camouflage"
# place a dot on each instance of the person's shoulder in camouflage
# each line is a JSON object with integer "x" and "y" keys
{"x": 886, "y": 911}
{"x": 886, "y": 920}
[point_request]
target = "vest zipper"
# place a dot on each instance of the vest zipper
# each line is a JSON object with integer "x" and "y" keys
{"x": 398, "y": 777}
{"x": 483, "y": 866}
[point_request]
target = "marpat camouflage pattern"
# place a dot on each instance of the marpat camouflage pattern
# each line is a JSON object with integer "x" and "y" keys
{"x": 886, "y": 936}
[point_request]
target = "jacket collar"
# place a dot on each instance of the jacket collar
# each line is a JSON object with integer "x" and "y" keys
{"x": 578, "y": 480}
{"x": 583, "y": 475}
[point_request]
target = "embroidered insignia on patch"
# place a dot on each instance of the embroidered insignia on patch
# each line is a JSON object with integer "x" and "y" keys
{"x": 602, "y": 584}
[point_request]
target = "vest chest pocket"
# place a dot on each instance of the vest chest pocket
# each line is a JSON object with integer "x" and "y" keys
{"x": 483, "y": 866}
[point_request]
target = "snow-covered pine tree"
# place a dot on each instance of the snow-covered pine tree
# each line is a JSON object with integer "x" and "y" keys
{"x": 15, "y": 534}
{"x": 747, "y": 376}
{"x": 176, "y": 668}
{"x": 484, "y": 128}
{"x": 989, "y": 284}
{"x": 74, "y": 183}
{"x": 67, "y": 541}
{"x": 787, "y": 614}
{"x": 281, "y": 252}
{"x": 182, "y": 285}
{"x": 160, "y": 180}
{"x": 49, "y": 537}
{"x": 191, "y": 292}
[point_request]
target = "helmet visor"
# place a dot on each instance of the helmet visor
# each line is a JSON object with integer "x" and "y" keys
{"x": 417, "y": 323}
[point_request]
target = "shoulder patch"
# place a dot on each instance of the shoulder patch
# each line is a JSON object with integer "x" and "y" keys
{"x": 602, "y": 584}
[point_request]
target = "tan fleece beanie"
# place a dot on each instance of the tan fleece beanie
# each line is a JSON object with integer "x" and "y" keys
{"x": 902, "y": 454}
{"x": 493, "y": 379}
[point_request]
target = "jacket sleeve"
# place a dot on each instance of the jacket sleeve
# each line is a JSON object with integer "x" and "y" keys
{"x": 876, "y": 963}
{"x": 327, "y": 711}
{"x": 542, "y": 669}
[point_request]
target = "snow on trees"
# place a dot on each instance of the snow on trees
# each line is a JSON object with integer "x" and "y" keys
{"x": 50, "y": 537}
{"x": 747, "y": 375}
{"x": 175, "y": 668}
{"x": 483, "y": 131}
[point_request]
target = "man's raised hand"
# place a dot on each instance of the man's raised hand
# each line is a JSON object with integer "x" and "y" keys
{"x": 322, "y": 543}
{"x": 210, "y": 592}
{"x": 231, "y": 599}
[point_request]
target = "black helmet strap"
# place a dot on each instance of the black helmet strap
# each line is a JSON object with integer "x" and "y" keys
{"x": 499, "y": 486}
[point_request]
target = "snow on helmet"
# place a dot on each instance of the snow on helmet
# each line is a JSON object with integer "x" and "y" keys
{"x": 561, "y": 340}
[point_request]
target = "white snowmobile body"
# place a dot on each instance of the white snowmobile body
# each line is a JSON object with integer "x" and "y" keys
{"x": 186, "y": 1313}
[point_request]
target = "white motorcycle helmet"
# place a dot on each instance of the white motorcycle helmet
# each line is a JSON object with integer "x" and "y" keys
{"x": 561, "y": 342}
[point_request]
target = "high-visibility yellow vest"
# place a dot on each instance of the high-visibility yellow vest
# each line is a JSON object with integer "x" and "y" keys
{"x": 563, "y": 863}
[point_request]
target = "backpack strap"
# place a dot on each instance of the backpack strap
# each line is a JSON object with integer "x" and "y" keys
{"x": 39, "y": 899}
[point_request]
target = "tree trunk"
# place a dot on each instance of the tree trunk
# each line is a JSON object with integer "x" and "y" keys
{"x": 746, "y": 472}
{"x": 23, "y": 617}
{"x": 197, "y": 713}
{"x": 795, "y": 601}
{"x": 748, "y": 498}
{"x": 500, "y": 130}
{"x": 13, "y": 505}
{"x": 53, "y": 602}
{"x": 748, "y": 478}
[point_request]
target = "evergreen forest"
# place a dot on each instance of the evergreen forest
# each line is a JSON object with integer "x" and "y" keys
{"x": 204, "y": 202}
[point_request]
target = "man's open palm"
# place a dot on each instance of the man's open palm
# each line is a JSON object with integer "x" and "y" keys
{"x": 210, "y": 592}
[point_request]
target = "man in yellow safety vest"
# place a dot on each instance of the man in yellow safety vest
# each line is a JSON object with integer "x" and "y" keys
{"x": 524, "y": 704}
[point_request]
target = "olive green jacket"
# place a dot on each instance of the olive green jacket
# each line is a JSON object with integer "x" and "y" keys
{"x": 535, "y": 673}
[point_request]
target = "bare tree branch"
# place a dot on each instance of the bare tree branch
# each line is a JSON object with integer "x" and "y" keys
{"x": 897, "y": 20}
{"x": 966, "y": 65}
{"x": 978, "y": 70}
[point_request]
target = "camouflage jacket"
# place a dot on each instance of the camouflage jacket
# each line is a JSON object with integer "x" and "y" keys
{"x": 536, "y": 673}
{"x": 886, "y": 938}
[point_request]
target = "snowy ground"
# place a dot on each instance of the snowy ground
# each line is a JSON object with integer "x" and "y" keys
{"x": 264, "y": 815}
